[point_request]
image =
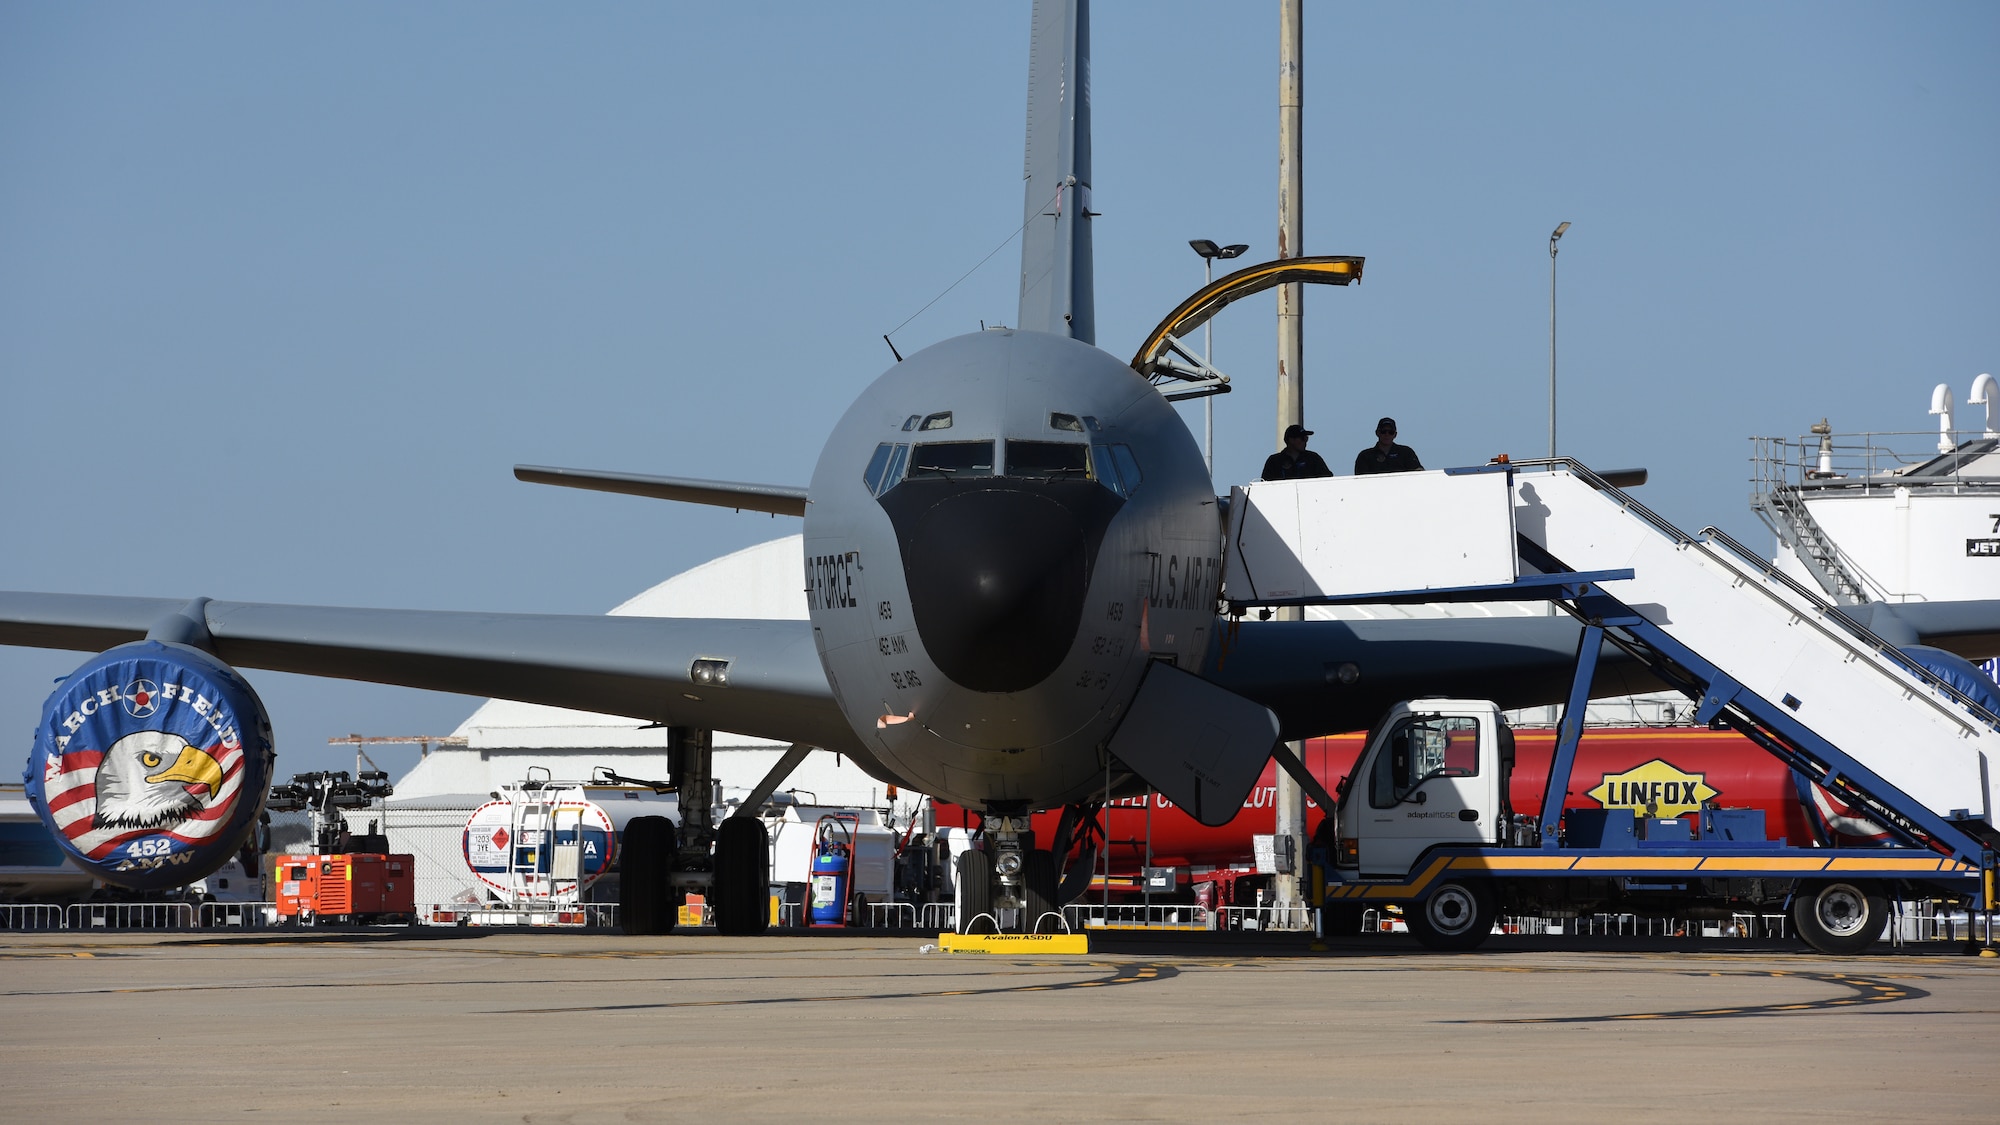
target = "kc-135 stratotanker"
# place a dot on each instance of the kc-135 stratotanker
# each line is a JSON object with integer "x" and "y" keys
{"x": 1014, "y": 561}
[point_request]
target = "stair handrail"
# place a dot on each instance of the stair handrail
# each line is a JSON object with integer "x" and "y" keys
{"x": 1856, "y": 630}
{"x": 1804, "y": 526}
{"x": 1882, "y": 646}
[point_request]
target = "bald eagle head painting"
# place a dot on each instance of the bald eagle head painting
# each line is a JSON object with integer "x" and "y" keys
{"x": 153, "y": 779}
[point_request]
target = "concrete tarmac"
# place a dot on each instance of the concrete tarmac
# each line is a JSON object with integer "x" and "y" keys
{"x": 542, "y": 1027}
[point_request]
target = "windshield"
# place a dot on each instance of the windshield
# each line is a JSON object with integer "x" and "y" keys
{"x": 1048, "y": 460}
{"x": 951, "y": 460}
{"x": 1115, "y": 468}
{"x": 1421, "y": 748}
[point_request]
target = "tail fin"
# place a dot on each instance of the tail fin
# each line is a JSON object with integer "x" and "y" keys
{"x": 1056, "y": 284}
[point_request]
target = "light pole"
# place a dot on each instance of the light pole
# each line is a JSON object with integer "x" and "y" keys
{"x": 1553, "y": 239}
{"x": 1209, "y": 252}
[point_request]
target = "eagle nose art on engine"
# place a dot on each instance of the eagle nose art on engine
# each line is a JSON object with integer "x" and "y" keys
{"x": 998, "y": 553}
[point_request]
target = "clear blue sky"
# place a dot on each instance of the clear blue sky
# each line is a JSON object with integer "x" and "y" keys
{"x": 285, "y": 290}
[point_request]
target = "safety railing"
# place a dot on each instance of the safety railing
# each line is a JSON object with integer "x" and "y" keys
{"x": 1865, "y": 463}
{"x": 129, "y": 916}
{"x": 1817, "y": 611}
{"x": 579, "y": 915}
{"x": 237, "y": 915}
{"x": 892, "y": 915}
{"x": 1279, "y": 918}
{"x": 1828, "y": 618}
{"x": 1137, "y": 916}
{"x": 940, "y": 916}
{"x": 24, "y": 916}
{"x": 1928, "y": 921}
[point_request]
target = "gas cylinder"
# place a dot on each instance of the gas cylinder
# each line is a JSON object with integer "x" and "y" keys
{"x": 832, "y": 872}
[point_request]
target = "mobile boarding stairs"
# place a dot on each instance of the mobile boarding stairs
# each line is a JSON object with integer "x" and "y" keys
{"x": 1755, "y": 649}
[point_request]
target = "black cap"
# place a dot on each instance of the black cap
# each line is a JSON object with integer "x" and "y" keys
{"x": 1385, "y": 424}
{"x": 1296, "y": 430}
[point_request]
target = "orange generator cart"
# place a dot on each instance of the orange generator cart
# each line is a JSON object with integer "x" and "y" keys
{"x": 346, "y": 887}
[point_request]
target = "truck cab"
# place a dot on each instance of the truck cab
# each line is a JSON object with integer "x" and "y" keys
{"x": 1434, "y": 772}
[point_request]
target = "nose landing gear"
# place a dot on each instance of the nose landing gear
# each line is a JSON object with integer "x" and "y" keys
{"x": 1008, "y": 885}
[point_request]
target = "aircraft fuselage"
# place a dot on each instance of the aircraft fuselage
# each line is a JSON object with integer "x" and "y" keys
{"x": 1003, "y": 530}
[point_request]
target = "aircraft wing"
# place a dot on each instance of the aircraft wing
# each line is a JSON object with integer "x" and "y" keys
{"x": 777, "y": 499}
{"x": 636, "y": 666}
{"x": 1295, "y": 667}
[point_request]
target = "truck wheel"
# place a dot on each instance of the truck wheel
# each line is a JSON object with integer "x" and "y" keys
{"x": 1839, "y": 918}
{"x": 975, "y": 890}
{"x": 1039, "y": 881}
{"x": 645, "y": 861}
{"x": 742, "y": 876}
{"x": 1457, "y": 916}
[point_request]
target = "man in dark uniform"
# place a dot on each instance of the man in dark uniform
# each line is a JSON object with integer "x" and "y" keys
{"x": 1295, "y": 461}
{"x": 1385, "y": 456}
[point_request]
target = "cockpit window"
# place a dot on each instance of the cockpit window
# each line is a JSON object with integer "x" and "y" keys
{"x": 1116, "y": 468}
{"x": 1128, "y": 467}
{"x": 951, "y": 460}
{"x": 1068, "y": 422}
{"x": 939, "y": 421}
{"x": 885, "y": 468}
{"x": 877, "y": 465}
{"x": 1048, "y": 460}
{"x": 910, "y": 423}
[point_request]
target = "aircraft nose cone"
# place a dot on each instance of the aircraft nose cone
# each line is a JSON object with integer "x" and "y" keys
{"x": 997, "y": 573}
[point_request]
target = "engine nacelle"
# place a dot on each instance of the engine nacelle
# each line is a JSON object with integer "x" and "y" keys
{"x": 151, "y": 764}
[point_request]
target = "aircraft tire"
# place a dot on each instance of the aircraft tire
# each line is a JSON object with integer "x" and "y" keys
{"x": 1040, "y": 884}
{"x": 646, "y": 850}
{"x": 1840, "y": 919}
{"x": 1457, "y": 916}
{"x": 975, "y": 890}
{"x": 742, "y": 877}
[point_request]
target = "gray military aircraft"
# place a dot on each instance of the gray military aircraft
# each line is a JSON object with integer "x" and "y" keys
{"x": 1012, "y": 558}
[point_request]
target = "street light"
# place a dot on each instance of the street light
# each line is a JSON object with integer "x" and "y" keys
{"x": 1553, "y": 239}
{"x": 1209, "y": 252}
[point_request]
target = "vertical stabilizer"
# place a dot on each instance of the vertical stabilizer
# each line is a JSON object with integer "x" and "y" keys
{"x": 1056, "y": 291}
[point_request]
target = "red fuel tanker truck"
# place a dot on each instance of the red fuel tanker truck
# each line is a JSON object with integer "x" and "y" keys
{"x": 1660, "y": 772}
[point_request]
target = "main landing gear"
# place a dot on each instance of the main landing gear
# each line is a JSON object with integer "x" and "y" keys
{"x": 730, "y": 864}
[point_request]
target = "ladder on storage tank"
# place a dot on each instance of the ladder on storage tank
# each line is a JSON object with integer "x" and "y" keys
{"x": 1757, "y": 649}
{"x": 545, "y": 862}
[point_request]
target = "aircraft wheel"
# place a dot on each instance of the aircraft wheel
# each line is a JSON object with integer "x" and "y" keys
{"x": 1039, "y": 881}
{"x": 645, "y": 863}
{"x": 975, "y": 890}
{"x": 1839, "y": 918}
{"x": 1457, "y": 916}
{"x": 742, "y": 876}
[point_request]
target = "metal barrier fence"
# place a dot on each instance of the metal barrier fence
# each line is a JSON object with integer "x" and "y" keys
{"x": 1740, "y": 925}
{"x": 238, "y": 915}
{"x": 1926, "y": 921}
{"x": 129, "y": 916}
{"x": 30, "y": 916}
{"x": 1135, "y": 916}
{"x": 892, "y": 915}
{"x": 577, "y": 915}
{"x": 1283, "y": 918}
{"x": 940, "y": 916}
